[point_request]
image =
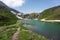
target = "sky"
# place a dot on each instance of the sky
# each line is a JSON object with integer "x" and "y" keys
{"x": 27, "y": 6}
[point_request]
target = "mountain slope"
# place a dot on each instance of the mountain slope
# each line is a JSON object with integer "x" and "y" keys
{"x": 6, "y": 17}
{"x": 8, "y": 8}
{"x": 51, "y": 13}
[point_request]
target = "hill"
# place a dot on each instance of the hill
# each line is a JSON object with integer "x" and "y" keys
{"x": 51, "y": 13}
{"x": 6, "y": 17}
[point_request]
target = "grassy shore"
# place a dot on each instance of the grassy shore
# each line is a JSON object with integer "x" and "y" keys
{"x": 28, "y": 35}
{"x": 6, "y": 33}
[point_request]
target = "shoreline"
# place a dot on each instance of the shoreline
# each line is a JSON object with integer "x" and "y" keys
{"x": 51, "y": 20}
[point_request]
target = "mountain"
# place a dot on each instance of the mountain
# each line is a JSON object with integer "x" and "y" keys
{"x": 8, "y": 8}
{"x": 6, "y": 17}
{"x": 30, "y": 15}
{"x": 51, "y": 13}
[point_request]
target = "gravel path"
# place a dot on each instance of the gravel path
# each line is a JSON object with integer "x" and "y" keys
{"x": 15, "y": 35}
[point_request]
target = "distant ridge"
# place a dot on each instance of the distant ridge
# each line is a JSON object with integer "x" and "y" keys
{"x": 51, "y": 13}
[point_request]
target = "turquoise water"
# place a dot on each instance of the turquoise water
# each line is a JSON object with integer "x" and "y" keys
{"x": 49, "y": 30}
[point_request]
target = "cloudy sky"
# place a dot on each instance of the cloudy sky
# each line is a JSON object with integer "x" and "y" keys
{"x": 13, "y": 3}
{"x": 26, "y": 6}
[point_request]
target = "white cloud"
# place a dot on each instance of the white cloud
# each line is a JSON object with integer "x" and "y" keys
{"x": 13, "y": 3}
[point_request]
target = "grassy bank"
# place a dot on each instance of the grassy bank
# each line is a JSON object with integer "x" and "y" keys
{"x": 6, "y": 33}
{"x": 28, "y": 35}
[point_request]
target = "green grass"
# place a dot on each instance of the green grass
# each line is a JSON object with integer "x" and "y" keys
{"x": 6, "y": 35}
{"x": 6, "y": 32}
{"x": 28, "y": 35}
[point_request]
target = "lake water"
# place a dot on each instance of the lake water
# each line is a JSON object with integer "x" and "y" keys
{"x": 49, "y": 30}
